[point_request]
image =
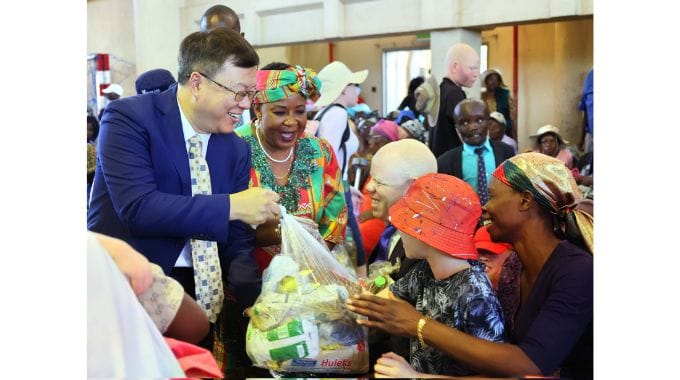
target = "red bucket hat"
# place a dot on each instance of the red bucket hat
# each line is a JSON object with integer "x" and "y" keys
{"x": 442, "y": 211}
{"x": 483, "y": 241}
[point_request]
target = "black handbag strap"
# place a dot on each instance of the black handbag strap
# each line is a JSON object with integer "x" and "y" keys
{"x": 345, "y": 134}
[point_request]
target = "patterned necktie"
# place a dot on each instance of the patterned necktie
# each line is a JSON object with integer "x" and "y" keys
{"x": 384, "y": 242}
{"x": 207, "y": 270}
{"x": 482, "y": 187}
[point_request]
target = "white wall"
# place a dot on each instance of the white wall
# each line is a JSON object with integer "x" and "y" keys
{"x": 553, "y": 61}
{"x": 157, "y": 34}
{"x": 148, "y": 36}
{"x": 554, "y": 56}
{"x": 110, "y": 29}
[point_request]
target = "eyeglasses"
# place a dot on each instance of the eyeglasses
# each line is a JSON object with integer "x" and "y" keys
{"x": 238, "y": 95}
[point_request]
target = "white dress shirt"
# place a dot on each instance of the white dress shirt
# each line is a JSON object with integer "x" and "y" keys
{"x": 184, "y": 259}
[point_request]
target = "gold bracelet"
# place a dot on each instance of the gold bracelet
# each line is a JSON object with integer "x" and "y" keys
{"x": 419, "y": 331}
{"x": 277, "y": 232}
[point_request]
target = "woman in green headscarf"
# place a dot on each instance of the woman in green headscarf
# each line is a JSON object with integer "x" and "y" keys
{"x": 301, "y": 168}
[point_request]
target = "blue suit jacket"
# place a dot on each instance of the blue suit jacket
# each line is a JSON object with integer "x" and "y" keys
{"x": 142, "y": 189}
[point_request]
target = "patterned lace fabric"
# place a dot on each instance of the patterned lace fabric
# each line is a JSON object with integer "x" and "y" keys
{"x": 91, "y": 158}
{"x": 162, "y": 299}
{"x": 508, "y": 290}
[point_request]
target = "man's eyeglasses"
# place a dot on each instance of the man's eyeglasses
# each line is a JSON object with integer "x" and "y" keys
{"x": 238, "y": 95}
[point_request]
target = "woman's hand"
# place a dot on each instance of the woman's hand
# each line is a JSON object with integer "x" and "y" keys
{"x": 268, "y": 233}
{"x": 131, "y": 263}
{"x": 391, "y": 315}
{"x": 391, "y": 365}
{"x": 362, "y": 272}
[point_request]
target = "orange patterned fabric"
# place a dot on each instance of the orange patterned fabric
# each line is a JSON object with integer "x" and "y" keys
{"x": 273, "y": 85}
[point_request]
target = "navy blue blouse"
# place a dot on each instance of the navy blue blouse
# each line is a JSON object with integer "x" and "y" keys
{"x": 554, "y": 326}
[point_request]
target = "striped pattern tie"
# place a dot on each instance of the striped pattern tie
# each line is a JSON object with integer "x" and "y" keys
{"x": 207, "y": 270}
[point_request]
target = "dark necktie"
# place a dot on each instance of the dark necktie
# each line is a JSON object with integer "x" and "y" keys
{"x": 482, "y": 188}
{"x": 384, "y": 242}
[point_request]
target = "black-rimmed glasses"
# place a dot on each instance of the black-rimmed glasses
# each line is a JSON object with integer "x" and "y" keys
{"x": 238, "y": 95}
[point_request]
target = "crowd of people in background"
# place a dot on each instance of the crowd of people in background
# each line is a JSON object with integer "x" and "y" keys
{"x": 493, "y": 242}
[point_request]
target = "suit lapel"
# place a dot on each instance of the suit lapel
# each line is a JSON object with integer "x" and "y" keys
{"x": 217, "y": 162}
{"x": 497, "y": 154}
{"x": 457, "y": 169}
{"x": 171, "y": 130}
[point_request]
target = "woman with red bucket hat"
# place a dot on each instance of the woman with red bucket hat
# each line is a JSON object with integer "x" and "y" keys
{"x": 437, "y": 219}
{"x": 534, "y": 205}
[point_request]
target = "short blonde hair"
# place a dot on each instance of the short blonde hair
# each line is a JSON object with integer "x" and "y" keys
{"x": 413, "y": 158}
{"x": 457, "y": 52}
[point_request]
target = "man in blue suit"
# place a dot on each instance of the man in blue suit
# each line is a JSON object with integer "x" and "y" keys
{"x": 142, "y": 190}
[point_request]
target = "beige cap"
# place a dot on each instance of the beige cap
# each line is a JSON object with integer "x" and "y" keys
{"x": 498, "y": 117}
{"x": 549, "y": 128}
{"x": 334, "y": 78}
{"x": 427, "y": 99}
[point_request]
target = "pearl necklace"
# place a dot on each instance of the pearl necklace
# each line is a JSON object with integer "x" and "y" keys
{"x": 290, "y": 153}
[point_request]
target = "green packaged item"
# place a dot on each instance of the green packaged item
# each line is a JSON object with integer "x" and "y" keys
{"x": 292, "y": 328}
{"x": 294, "y": 351}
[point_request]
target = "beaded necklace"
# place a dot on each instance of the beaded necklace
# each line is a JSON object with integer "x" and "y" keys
{"x": 290, "y": 152}
{"x": 287, "y": 171}
{"x": 303, "y": 165}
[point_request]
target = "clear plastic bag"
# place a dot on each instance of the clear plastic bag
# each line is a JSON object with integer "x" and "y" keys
{"x": 379, "y": 276}
{"x": 383, "y": 268}
{"x": 339, "y": 252}
{"x": 300, "y": 323}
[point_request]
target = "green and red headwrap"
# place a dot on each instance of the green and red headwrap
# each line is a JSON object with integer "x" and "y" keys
{"x": 274, "y": 85}
{"x": 552, "y": 186}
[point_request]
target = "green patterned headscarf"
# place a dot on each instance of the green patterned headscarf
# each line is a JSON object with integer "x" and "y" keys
{"x": 554, "y": 189}
{"x": 274, "y": 85}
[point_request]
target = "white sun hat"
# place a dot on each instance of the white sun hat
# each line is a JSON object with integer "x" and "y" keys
{"x": 427, "y": 99}
{"x": 498, "y": 117}
{"x": 334, "y": 78}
